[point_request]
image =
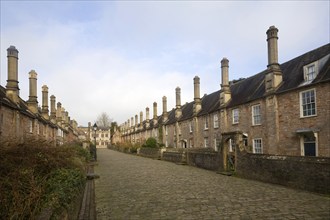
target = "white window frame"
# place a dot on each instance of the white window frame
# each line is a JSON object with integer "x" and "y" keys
{"x": 257, "y": 146}
{"x": 215, "y": 141}
{"x": 215, "y": 120}
{"x": 206, "y": 142}
{"x": 256, "y": 116}
{"x": 301, "y": 104}
{"x": 37, "y": 126}
{"x": 191, "y": 128}
{"x": 191, "y": 142}
{"x": 166, "y": 131}
{"x": 307, "y": 74}
{"x": 231, "y": 145}
{"x": 235, "y": 115}
{"x": 206, "y": 123}
{"x": 30, "y": 126}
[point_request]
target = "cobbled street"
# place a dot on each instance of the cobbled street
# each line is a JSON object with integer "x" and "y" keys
{"x": 133, "y": 187}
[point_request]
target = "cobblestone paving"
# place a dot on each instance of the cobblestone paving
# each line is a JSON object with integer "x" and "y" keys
{"x": 132, "y": 187}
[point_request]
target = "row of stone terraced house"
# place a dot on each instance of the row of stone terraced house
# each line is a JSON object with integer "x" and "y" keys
{"x": 283, "y": 110}
{"x": 21, "y": 120}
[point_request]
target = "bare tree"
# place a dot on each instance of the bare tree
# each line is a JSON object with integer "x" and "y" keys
{"x": 103, "y": 120}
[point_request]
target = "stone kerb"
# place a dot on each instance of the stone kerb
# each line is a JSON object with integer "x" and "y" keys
{"x": 306, "y": 173}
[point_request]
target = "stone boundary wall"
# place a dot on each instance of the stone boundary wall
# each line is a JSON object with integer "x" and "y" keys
{"x": 306, "y": 173}
{"x": 154, "y": 153}
{"x": 199, "y": 157}
{"x": 204, "y": 159}
{"x": 175, "y": 157}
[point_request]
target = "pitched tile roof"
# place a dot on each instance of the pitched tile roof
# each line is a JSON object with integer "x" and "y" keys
{"x": 253, "y": 87}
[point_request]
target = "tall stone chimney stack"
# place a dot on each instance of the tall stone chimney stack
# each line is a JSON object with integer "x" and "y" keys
{"x": 225, "y": 94}
{"x": 33, "y": 99}
{"x": 155, "y": 117}
{"x": 225, "y": 74}
{"x": 136, "y": 120}
{"x": 197, "y": 99}
{"x": 59, "y": 113}
{"x": 165, "y": 114}
{"x": 147, "y": 117}
{"x": 132, "y": 122}
{"x": 67, "y": 119}
{"x": 45, "y": 110}
{"x": 12, "y": 90}
{"x": 273, "y": 77}
{"x": 52, "y": 108}
{"x": 141, "y": 119}
{"x": 63, "y": 117}
{"x": 272, "y": 39}
{"x": 178, "y": 111}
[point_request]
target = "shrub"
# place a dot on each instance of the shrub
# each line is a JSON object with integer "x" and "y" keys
{"x": 36, "y": 175}
{"x": 151, "y": 143}
{"x": 134, "y": 148}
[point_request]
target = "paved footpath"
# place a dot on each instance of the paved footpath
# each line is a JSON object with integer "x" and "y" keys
{"x": 133, "y": 187}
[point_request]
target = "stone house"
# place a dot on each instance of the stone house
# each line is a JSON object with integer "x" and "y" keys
{"x": 21, "y": 120}
{"x": 283, "y": 110}
{"x": 102, "y": 135}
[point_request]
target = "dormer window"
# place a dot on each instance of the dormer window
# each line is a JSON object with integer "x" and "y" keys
{"x": 310, "y": 72}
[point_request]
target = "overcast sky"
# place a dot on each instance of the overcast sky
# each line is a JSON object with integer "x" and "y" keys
{"x": 119, "y": 57}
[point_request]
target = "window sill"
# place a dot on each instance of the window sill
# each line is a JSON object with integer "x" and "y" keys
{"x": 308, "y": 116}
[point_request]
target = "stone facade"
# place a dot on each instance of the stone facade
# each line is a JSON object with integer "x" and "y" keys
{"x": 283, "y": 110}
{"x": 102, "y": 135}
{"x": 21, "y": 120}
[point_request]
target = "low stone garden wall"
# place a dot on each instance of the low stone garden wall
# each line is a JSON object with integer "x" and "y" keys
{"x": 202, "y": 158}
{"x": 306, "y": 173}
{"x": 154, "y": 153}
{"x": 205, "y": 159}
{"x": 173, "y": 156}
